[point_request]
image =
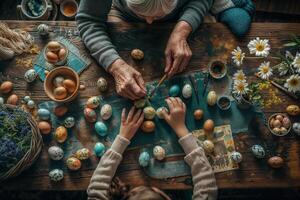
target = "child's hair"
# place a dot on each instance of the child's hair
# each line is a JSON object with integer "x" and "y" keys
{"x": 119, "y": 191}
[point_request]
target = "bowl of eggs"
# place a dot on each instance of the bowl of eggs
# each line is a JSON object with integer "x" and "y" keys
{"x": 56, "y": 53}
{"x": 62, "y": 84}
{"x": 279, "y": 124}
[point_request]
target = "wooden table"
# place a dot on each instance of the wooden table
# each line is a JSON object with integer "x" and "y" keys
{"x": 210, "y": 42}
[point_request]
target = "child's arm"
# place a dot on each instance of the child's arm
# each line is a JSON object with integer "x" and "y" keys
{"x": 203, "y": 177}
{"x": 106, "y": 169}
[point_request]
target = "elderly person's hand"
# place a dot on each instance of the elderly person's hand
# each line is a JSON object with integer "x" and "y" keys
{"x": 178, "y": 52}
{"x": 129, "y": 82}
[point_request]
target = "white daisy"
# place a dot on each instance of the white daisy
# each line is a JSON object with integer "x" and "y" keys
{"x": 264, "y": 70}
{"x": 293, "y": 83}
{"x": 239, "y": 76}
{"x": 240, "y": 88}
{"x": 259, "y": 47}
{"x": 238, "y": 56}
{"x": 296, "y": 62}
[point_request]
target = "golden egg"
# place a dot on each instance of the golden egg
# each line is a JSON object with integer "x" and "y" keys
{"x": 60, "y": 111}
{"x": 137, "y": 54}
{"x": 61, "y": 134}
{"x": 12, "y": 99}
{"x": 209, "y": 126}
{"x": 51, "y": 57}
{"x": 62, "y": 53}
{"x": 198, "y": 114}
{"x": 44, "y": 127}
{"x": 148, "y": 126}
{"x": 60, "y": 93}
{"x": 73, "y": 163}
{"x": 53, "y": 46}
{"x": 212, "y": 98}
{"x": 69, "y": 85}
{"x": 293, "y": 110}
{"x": 6, "y": 87}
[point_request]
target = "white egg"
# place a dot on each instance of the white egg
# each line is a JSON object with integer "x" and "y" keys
{"x": 30, "y": 104}
{"x": 296, "y": 128}
{"x": 1, "y": 101}
{"x": 58, "y": 81}
{"x": 106, "y": 112}
{"x": 159, "y": 112}
{"x": 26, "y": 99}
{"x": 212, "y": 98}
{"x": 56, "y": 175}
{"x": 30, "y": 75}
{"x": 187, "y": 91}
{"x": 159, "y": 153}
{"x": 56, "y": 153}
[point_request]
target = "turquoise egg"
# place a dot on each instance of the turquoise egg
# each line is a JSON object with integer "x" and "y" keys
{"x": 69, "y": 122}
{"x": 99, "y": 149}
{"x": 144, "y": 159}
{"x": 258, "y": 151}
{"x": 174, "y": 91}
{"x": 43, "y": 114}
{"x": 101, "y": 128}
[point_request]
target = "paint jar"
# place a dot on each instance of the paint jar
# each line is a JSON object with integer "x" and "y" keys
{"x": 69, "y": 8}
{"x": 217, "y": 69}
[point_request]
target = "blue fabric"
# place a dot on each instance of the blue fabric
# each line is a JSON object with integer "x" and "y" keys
{"x": 247, "y": 5}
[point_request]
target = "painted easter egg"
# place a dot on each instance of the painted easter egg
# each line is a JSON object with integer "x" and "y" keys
{"x": 198, "y": 114}
{"x": 43, "y": 29}
{"x": 69, "y": 122}
{"x": 258, "y": 151}
{"x": 70, "y": 85}
{"x": 209, "y": 126}
{"x": 208, "y": 146}
{"x": 144, "y": 159}
{"x": 137, "y": 54}
{"x": 6, "y": 87}
{"x": 73, "y": 163}
{"x": 30, "y": 104}
{"x": 61, "y": 134}
{"x": 296, "y": 128}
{"x": 30, "y": 75}
{"x": 286, "y": 122}
{"x": 55, "y": 153}
{"x": 102, "y": 84}
{"x": 148, "y": 126}
{"x": 106, "y": 111}
{"x": 187, "y": 91}
{"x": 99, "y": 149}
{"x": 43, "y": 114}
{"x": 12, "y": 99}
{"x": 149, "y": 112}
{"x": 236, "y": 157}
{"x": 90, "y": 115}
{"x": 140, "y": 103}
{"x": 93, "y": 102}
{"x": 83, "y": 154}
{"x": 53, "y": 46}
{"x": 174, "y": 91}
{"x": 58, "y": 81}
{"x": 212, "y": 98}
{"x": 56, "y": 175}
{"x": 159, "y": 112}
{"x": 275, "y": 162}
{"x": 159, "y": 153}
{"x": 293, "y": 110}
{"x": 45, "y": 127}
{"x": 26, "y": 99}
{"x": 1, "y": 101}
{"x": 60, "y": 93}
{"x": 60, "y": 111}
{"x": 101, "y": 128}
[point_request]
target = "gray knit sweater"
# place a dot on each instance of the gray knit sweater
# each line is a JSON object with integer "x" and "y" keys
{"x": 205, "y": 187}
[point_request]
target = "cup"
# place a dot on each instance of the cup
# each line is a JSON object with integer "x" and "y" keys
{"x": 69, "y": 8}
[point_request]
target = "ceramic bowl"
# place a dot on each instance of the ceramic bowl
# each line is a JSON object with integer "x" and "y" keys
{"x": 65, "y": 72}
{"x": 217, "y": 69}
{"x": 61, "y": 62}
{"x": 275, "y": 133}
{"x": 224, "y": 103}
{"x": 44, "y": 15}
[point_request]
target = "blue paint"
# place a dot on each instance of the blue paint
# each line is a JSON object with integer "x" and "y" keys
{"x": 101, "y": 128}
{"x": 99, "y": 149}
{"x": 43, "y": 114}
{"x": 174, "y": 91}
{"x": 144, "y": 159}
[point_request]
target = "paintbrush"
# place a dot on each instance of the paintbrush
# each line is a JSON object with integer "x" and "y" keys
{"x": 284, "y": 90}
{"x": 195, "y": 87}
{"x": 159, "y": 83}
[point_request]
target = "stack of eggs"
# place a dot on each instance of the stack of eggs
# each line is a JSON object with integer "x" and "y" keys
{"x": 63, "y": 87}
{"x": 279, "y": 124}
{"x": 148, "y": 125}
{"x": 56, "y": 53}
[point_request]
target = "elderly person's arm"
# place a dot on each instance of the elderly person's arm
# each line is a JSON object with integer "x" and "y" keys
{"x": 91, "y": 20}
{"x": 178, "y": 52}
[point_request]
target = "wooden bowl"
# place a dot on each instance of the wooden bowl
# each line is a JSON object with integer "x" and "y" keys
{"x": 65, "y": 72}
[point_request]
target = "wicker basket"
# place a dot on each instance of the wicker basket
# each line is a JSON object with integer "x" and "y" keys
{"x": 31, "y": 155}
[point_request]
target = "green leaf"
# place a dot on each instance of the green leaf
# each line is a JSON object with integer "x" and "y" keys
{"x": 290, "y": 44}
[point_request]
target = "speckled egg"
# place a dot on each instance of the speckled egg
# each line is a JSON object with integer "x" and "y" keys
{"x": 137, "y": 54}
{"x": 30, "y": 75}
{"x": 187, "y": 91}
{"x": 30, "y": 104}
{"x": 93, "y": 102}
{"x": 102, "y": 84}
{"x": 12, "y": 99}
{"x": 70, "y": 85}
{"x": 198, "y": 114}
{"x": 90, "y": 115}
{"x": 258, "y": 151}
{"x": 58, "y": 81}
{"x": 296, "y": 128}
{"x": 144, "y": 159}
{"x": 99, "y": 149}
{"x": 26, "y": 99}
{"x": 208, "y": 146}
{"x": 83, "y": 154}
{"x": 212, "y": 98}
{"x": 209, "y": 126}
{"x": 159, "y": 112}
{"x": 236, "y": 157}
{"x": 73, "y": 163}
{"x": 45, "y": 127}
{"x": 140, "y": 103}
{"x": 101, "y": 128}
{"x": 56, "y": 175}
{"x": 60, "y": 110}
{"x": 43, "y": 29}
{"x": 275, "y": 162}
{"x": 43, "y": 114}
{"x": 55, "y": 153}
{"x": 106, "y": 112}
{"x": 1, "y": 101}
{"x": 69, "y": 122}
{"x": 159, "y": 152}
{"x": 149, "y": 112}
{"x": 286, "y": 122}
{"x": 6, "y": 87}
{"x": 61, "y": 134}
{"x": 174, "y": 91}
{"x": 60, "y": 93}
{"x": 148, "y": 126}
{"x": 293, "y": 110}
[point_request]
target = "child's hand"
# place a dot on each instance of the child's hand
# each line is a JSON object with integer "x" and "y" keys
{"x": 131, "y": 123}
{"x": 176, "y": 116}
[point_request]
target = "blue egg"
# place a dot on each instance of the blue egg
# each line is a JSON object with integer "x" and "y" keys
{"x": 101, "y": 128}
{"x": 258, "y": 151}
{"x": 144, "y": 159}
{"x": 43, "y": 114}
{"x": 174, "y": 91}
{"x": 99, "y": 149}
